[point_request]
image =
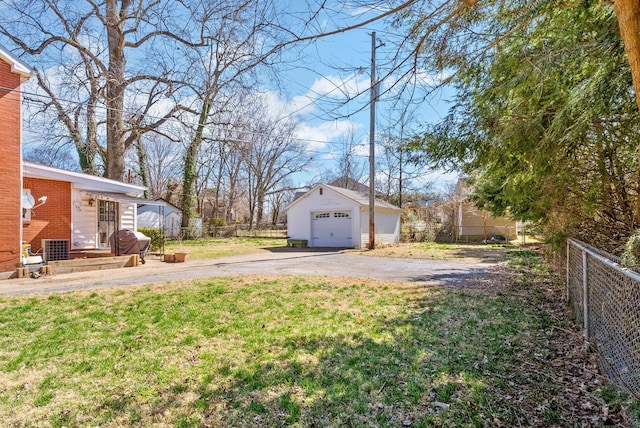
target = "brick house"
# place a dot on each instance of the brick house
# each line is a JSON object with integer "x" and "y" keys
{"x": 41, "y": 205}
{"x": 83, "y": 210}
{"x": 12, "y": 73}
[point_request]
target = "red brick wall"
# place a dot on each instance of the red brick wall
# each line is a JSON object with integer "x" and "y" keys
{"x": 10, "y": 192}
{"x": 51, "y": 220}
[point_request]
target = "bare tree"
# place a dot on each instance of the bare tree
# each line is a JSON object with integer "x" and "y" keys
{"x": 161, "y": 166}
{"x": 239, "y": 39}
{"x": 93, "y": 39}
{"x": 396, "y": 165}
{"x": 57, "y": 156}
{"x": 352, "y": 167}
{"x": 272, "y": 157}
{"x": 229, "y": 146}
{"x": 69, "y": 107}
{"x": 278, "y": 201}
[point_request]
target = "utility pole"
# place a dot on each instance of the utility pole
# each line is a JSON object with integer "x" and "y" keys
{"x": 372, "y": 145}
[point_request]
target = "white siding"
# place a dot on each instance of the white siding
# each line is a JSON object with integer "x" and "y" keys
{"x": 387, "y": 226}
{"x": 149, "y": 216}
{"x": 127, "y": 216}
{"x": 148, "y": 219}
{"x": 172, "y": 224}
{"x": 84, "y": 224}
{"x": 84, "y": 220}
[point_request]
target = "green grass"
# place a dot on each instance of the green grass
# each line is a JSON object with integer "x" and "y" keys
{"x": 221, "y": 247}
{"x": 442, "y": 251}
{"x": 284, "y": 351}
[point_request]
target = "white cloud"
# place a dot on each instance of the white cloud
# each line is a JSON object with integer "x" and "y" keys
{"x": 429, "y": 79}
{"x": 318, "y": 136}
{"x": 337, "y": 87}
{"x": 301, "y": 105}
{"x": 322, "y": 92}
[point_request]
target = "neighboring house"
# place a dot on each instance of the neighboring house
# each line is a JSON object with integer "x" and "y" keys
{"x": 428, "y": 211}
{"x": 12, "y": 73}
{"x": 475, "y": 225}
{"x": 350, "y": 184}
{"x": 329, "y": 216}
{"x": 164, "y": 215}
{"x": 82, "y": 209}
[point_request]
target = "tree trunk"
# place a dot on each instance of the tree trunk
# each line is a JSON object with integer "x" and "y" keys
{"x": 260, "y": 207}
{"x": 233, "y": 191}
{"x": 190, "y": 171}
{"x": 628, "y": 13}
{"x": 115, "y": 86}
{"x": 142, "y": 166}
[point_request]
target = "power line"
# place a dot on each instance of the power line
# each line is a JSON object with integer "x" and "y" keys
{"x": 211, "y": 126}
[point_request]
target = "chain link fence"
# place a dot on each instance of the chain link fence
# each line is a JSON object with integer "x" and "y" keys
{"x": 606, "y": 302}
{"x": 233, "y": 231}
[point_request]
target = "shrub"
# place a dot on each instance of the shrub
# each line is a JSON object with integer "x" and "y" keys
{"x": 155, "y": 235}
{"x": 217, "y": 222}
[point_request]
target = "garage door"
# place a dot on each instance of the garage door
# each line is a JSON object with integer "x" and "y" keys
{"x": 331, "y": 229}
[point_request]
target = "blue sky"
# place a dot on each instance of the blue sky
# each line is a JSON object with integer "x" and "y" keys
{"x": 328, "y": 71}
{"x": 316, "y": 88}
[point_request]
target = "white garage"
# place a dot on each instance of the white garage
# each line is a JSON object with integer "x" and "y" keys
{"x": 329, "y": 216}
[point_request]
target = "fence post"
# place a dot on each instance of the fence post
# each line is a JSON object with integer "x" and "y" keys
{"x": 585, "y": 298}
{"x": 568, "y": 270}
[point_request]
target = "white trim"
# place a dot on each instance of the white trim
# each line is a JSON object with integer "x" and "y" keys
{"x": 119, "y": 197}
{"x": 17, "y": 65}
{"x": 20, "y": 124}
{"x": 80, "y": 180}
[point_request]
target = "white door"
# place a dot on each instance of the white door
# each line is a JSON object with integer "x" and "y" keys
{"x": 331, "y": 229}
{"x": 107, "y": 221}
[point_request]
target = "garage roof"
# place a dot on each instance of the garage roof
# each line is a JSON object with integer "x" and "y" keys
{"x": 361, "y": 198}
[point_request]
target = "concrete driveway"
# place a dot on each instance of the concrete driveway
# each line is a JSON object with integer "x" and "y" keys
{"x": 281, "y": 261}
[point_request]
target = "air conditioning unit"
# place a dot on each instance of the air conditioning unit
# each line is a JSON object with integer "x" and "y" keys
{"x": 55, "y": 249}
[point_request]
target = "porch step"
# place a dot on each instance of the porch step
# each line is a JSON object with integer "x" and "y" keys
{"x": 93, "y": 263}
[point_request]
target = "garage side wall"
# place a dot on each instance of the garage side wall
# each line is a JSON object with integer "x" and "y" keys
{"x": 387, "y": 226}
{"x": 299, "y": 222}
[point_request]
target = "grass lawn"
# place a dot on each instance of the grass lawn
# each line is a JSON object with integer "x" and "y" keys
{"x": 441, "y": 251}
{"x": 221, "y": 247}
{"x": 297, "y": 351}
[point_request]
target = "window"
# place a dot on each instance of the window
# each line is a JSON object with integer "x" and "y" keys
{"x": 107, "y": 211}
{"x": 323, "y": 215}
{"x": 321, "y": 191}
{"x": 341, "y": 215}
